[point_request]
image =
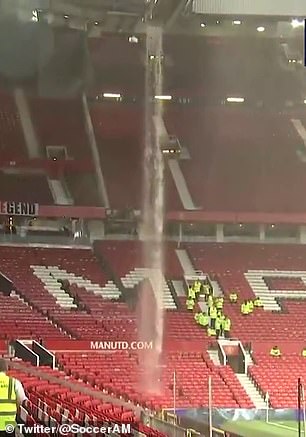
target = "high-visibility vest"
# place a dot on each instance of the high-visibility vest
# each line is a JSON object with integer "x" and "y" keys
{"x": 211, "y": 332}
{"x": 210, "y": 301}
{"x": 227, "y": 325}
{"x": 257, "y": 302}
{"x": 204, "y": 320}
{"x": 191, "y": 292}
{"x": 206, "y": 289}
{"x": 197, "y": 286}
{"x": 197, "y": 317}
{"x": 219, "y": 304}
{"x": 213, "y": 313}
{"x": 8, "y": 401}
{"x": 245, "y": 308}
{"x": 190, "y": 304}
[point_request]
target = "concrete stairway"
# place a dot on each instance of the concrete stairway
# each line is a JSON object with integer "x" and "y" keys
{"x": 108, "y": 291}
{"x": 299, "y": 127}
{"x": 252, "y": 391}
{"x": 260, "y": 288}
{"x": 135, "y": 276}
{"x": 268, "y": 297}
{"x": 185, "y": 262}
{"x": 60, "y": 193}
{"x": 181, "y": 185}
{"x": 30, "y": 136}
{"x": 216, "y": 288}
{"x": 62, "y": 298}
{"x": 214, "y": 356}
{"x": 179, "y": 288}
{"x": 248, "y": 359}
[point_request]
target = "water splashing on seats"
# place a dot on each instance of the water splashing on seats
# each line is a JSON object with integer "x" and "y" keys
{"x": 151, "y": 300}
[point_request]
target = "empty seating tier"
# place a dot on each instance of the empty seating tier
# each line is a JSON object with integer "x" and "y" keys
{"x": 61, "y": 123}
{"x": 125, "y": 256}
{"x": 285, "y": 284}
{"x": 241, "y": 169}
{"x": 120, "y": 135}
{"x": 19, "y": 321}
{"x": 278, "y": 377}
{"x": 53, "y": 400}
{"x": 12, "y": 143}
{"x": 26, "y": 188}
{"x": 123, "y": 374}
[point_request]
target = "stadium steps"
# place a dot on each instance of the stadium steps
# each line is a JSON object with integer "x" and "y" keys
{"x": 60, "y": 193}
{"x": 252, "y": 391}
{"x": 181, "y": 185}
{"x": 299, "y": 127}
{"x": 102, "y": 191}
{"x": 178, "y": 286}
{"x": 137, "y": 275}
{"x": 260, "y": 288}
{"x": 214, "y": 356}
{"x": 185, "y": 262}
{"x": 63, "y": 299}
{"x": 248, "y": 358}
{"x": 217, "y": 291}
{"x": 269, "y": 297}
{"x": 31, "y": 140}
{"x": 108, "y": 291}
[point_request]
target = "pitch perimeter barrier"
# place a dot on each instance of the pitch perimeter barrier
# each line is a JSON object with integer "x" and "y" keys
{"x": 167, "y": 423}
{"x": 228, "y": 421}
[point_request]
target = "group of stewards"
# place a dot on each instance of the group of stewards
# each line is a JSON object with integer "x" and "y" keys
{"x": 276, "y": 352}
{"x": 247, "y": 307}
{"x": 195, "y": 290}
{"x": 214, "y": 320}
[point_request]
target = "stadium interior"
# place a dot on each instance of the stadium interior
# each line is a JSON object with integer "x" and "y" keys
{"x": 153, "y": 215}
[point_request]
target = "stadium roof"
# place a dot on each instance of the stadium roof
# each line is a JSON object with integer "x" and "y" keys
{"x": 175, "y": 16}
{"x": 130, "y": 16}
{"x": 117, "y": 15}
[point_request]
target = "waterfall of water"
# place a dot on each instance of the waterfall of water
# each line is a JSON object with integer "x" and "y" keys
{"x": 151, "y": 300}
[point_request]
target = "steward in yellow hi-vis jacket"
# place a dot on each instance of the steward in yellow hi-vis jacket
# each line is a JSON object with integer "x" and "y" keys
{"x": 11, "y": 396}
